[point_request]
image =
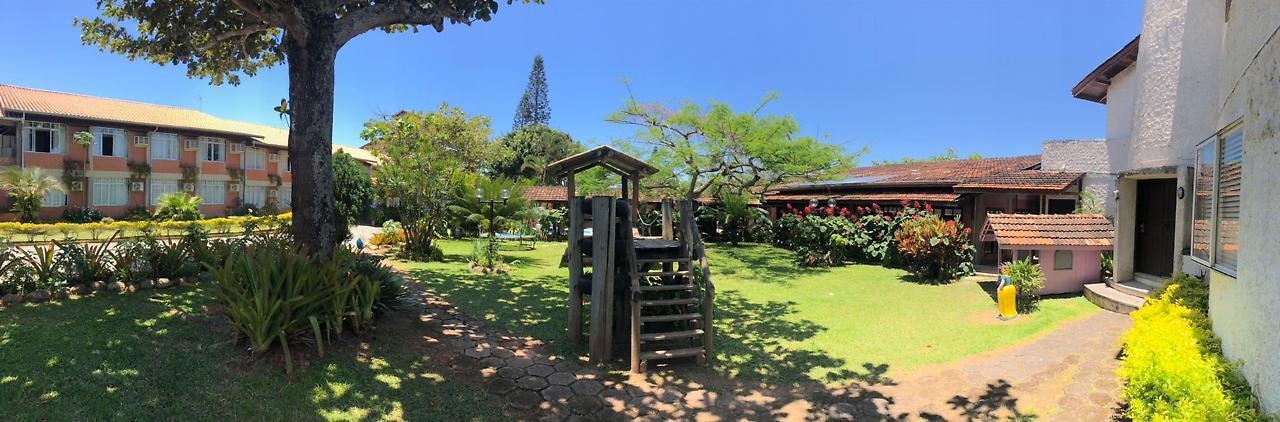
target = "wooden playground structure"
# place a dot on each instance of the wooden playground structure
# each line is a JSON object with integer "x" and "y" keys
{"x": 655, "y": 291}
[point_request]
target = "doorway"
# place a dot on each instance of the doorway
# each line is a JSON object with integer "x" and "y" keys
{"x": 1153, "y": 227}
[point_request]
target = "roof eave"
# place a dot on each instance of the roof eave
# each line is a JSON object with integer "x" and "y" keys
{"x": 1094, "y": 86}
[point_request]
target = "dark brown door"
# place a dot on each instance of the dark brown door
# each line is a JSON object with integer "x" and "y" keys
{"x": 1153, "y": 228}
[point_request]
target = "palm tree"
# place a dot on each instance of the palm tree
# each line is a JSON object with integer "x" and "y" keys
{"x": 27, "y": 188}
{"x": 736, "y": 215}
{"x": 178, "y": 206}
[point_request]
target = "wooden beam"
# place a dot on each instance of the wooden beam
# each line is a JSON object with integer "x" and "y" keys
{"x": 575, "y": 268}
{"x": 601, "y": 207}
{"x": 667, "y": 209}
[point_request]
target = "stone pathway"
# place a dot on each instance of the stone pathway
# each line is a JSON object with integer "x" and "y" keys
{"x": 1068, "y": 374}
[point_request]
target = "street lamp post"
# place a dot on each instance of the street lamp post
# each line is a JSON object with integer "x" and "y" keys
{"x": 493, "y": 238}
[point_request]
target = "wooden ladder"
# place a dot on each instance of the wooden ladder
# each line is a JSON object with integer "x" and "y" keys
{"x": 671, "y": 299}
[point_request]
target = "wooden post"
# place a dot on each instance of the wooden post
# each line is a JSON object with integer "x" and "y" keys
{"x": 635, "y": 197}
{"x": 575, "y": 261}
{"x": 667, "y": 209}
{"x": 601, "y": 273}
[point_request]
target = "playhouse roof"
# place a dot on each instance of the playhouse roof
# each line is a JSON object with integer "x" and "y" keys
{"x": 603, "y": 155}
{"x": 1049, "y": 230}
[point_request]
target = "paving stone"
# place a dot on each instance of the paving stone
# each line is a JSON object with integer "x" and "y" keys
{"x": 478, "y": 352}
{"x": 561, "y": 378}
{"x": 557, "y": 393}
{"x": 520, "y": 362}
{"x": 510, "y": 372}
{"x": 524, "y": 399}
{"x": 530, "y": 382}
{"x": 540, "y": 370}
{"x": 584, "y": 405}
{"x": 492, "y": 362}
{"x": 587, "y": 387}
{"x": 699, "y": 399}
{"x": 503, "y": 352}
{"x": 500, "y": 385}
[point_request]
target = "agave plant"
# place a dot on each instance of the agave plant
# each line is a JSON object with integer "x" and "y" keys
{"x": 178, "y": 206}
{"x": 89, "y": 262}
{"x": 45, "y": 266}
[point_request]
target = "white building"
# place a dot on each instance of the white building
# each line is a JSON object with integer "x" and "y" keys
{"x": 1193, "y": 137}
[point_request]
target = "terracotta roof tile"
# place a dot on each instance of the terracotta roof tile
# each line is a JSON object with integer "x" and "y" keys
{"x": 560, "y": 193}
{"x": 872, "y": 197}
{"x": 938, "y": 173}
{"x": 1050, "y": 230}
{"x": 1023, "y": 181}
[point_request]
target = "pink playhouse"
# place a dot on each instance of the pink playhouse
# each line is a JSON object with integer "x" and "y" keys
{"x": 1068, "y": 247}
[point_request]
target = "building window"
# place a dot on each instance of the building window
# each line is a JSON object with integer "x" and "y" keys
{"x": 255, "y": 195}
{"x": 1062, "y": 260}
{"x": 161, "y": 187}
{"x": 110, "y": 192}
{"x": 164, "y": 146}
{"x": 54, "y": 199}
{"x": 284, "y": 198}
{"x": 1215, "y": 220}
{"x": 255, "y": 159}
{"x": 214, "y": 192}
{"x": 214, "y": 149}
{"x": 1062, "y": 205}
{"x": 45, "y": 137}
{"x": 108, "y": 142}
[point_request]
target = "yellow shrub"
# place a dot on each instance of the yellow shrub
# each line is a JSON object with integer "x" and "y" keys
{"x": 387, "y": 238}
{"x": 1170, "y": 370}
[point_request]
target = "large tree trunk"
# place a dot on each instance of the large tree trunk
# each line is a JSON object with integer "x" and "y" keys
{"x": 311, "y": 80}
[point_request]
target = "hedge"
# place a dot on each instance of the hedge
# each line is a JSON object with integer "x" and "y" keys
{"x": 216, "y": 225}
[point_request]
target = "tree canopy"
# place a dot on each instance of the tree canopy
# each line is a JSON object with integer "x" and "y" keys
{"x": 424, "y": 158}
{"x": 527, "y": 152}
{"x": 949, "y": 155}
{"x": 535, "y": 107}
{"x": 352, "y": 188}
{"x": 223, "y": 40}
{"x": 708, "y": 150}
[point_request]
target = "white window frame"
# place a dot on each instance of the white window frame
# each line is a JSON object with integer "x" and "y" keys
{"x": 155, "y": 190}
{"x": 1070, "y": 256}
{"x": 57, "y": 137}
{"x": 1216, "y": 142}
{"x": 106, "y": 194}
{"x": 218, "y": 144}
{"x": 202, "y": 190}
{"x": 253, "y": 159}
{"x": 54, "y": 199}
{"x": 284, "y": 197}
{"x": 165, "y": 146}
{"x": 118, "y": 144}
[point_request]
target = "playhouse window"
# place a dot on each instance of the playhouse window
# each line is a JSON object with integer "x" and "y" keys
{"x": 1062, "y": 260}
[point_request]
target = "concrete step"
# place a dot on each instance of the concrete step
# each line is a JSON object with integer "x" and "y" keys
{"x": 1151, "y": 281}
{"x": 1111, "y": 299}
{"x": 1132, "y": 288}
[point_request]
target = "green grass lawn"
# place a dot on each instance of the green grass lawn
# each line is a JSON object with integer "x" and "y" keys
{"x": 158, "y": 356}
{"x": 775, "y": 321}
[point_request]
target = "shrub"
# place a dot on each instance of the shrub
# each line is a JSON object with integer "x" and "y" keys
{"x": 784, "y": 230}
{"x": 392, "y": 292}
{"x": 15, "y": 273}
{"x": 823, "y": 241}
{"x": 178, "y": 206}
{"x": 1107, "y": 266}
{"x": 1026, "y": 277}
{"x": 87, "y": 263}
{"x": 935, "y": 249}
{"x": 1191, "y": 291}
{"x": 1173, "y": 368}
{"x": 137, "y": 214}
{"x": 81, "y": 215}
{"x": 278, "y": 297}
{"x": 46, "y": 269}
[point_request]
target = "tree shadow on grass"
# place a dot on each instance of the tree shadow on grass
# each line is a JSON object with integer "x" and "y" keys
{"x": 760, "y": 263}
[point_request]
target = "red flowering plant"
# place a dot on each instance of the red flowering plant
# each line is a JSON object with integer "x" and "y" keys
{"x": 875, "y": 231}
{"x": 935, "y": 249}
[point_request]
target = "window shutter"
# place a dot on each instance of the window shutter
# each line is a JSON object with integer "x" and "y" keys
{"x": 1230, "y": 172}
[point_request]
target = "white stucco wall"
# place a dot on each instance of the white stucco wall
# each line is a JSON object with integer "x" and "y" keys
{"x": 1121, "y": 98}
{"x": 1244, "y": 308}
{"x": 1160, "y": 53}
{"x": 1089, "y": 157}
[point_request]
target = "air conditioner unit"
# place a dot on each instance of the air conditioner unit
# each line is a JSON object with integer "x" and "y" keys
{"x": 273, "y": 193}
{"x": 77, "y": 186}
{"x": 189, "y": 187}
{"x": 141, "y": 141}
{"x": 191, "y": 144}
{"x": 274, "y": 157}
{"x": 137, "y": 186}
{"x": 235, "y": 147}
{"x": 234, "y": 187}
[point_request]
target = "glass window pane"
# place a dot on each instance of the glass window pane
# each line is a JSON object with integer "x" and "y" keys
{"x": 1202, "y": 202}
{"x": 1230, "y": 174}
{"x": 1062, "y": 260}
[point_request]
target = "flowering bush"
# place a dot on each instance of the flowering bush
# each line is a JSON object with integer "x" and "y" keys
{"x": 784, "y": 230}
{"x": 935, "y": 249}
{"x": 823, "y": 241}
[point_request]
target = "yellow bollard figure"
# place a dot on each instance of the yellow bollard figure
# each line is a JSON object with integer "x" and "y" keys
{"x": 1007, "y": 298}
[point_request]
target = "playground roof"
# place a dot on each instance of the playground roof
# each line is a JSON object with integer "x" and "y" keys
{"x": 604, "y": 155}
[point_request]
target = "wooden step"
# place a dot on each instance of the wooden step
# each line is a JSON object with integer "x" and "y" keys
{"x": 673, "y": 335}
{"x": 666, "y": 287}
{"x": 663, "y": 273}
{"x": 673, "y": 353}
{"x": 667, "y": 302}
{"x": 669, "y": 318}
{"x": 663, "y": 260}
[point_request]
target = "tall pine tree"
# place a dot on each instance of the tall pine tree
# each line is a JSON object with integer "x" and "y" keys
{"x": 535, "y": 108}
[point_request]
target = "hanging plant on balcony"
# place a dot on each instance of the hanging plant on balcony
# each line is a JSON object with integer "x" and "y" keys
{"x": 276, "y": 179}
{"x": 237, "y": 175}
{"x": 72, "y": 170}
{"x": 139, "y": 170}
{"x": 189, "y": 173}
{"x": 85, "y": 139}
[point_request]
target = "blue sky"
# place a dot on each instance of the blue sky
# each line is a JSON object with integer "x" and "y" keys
{"x": 905, "y": 78}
